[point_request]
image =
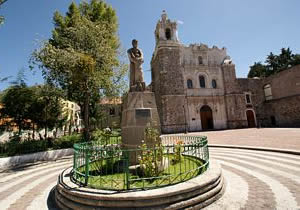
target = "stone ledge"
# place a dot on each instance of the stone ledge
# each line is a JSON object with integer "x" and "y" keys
{"x": 201, "y": 190}
{"x": 17, "y": 161}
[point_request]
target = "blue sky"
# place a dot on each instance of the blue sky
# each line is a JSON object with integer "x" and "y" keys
{"x": 249, "y": 29}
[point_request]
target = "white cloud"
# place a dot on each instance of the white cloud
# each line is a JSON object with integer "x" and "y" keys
{"x": 180, "y": 22}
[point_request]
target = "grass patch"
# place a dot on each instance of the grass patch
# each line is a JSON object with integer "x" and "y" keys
{"x": 108, "y": 174}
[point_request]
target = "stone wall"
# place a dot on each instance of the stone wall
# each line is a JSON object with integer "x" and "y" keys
{"x": 169, "y": 88}
{"x": 285, "y": 111}
{"x": 173, "y": 114}
{"x": 284, "y": 108}
{"x": 285, "y": 83}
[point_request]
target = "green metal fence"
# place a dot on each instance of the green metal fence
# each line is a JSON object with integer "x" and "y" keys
{"x": 110, "y": 165}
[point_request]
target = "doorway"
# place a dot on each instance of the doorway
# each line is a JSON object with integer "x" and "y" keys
{"x": 250, "y": 119}
{"x": 206, "y": 116}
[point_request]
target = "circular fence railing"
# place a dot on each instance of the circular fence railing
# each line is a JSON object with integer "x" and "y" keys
{"x": 108, "y": 165}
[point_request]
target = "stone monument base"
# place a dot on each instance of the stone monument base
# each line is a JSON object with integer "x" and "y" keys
{"x": 139, "y": 112}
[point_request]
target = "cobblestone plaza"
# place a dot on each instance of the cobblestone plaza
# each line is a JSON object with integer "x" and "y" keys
{"x": 254, "y": 179}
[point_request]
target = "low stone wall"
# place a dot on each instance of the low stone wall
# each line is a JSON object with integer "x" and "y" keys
{"x": 195, "y": 193}
{"x": 15, "y": 161}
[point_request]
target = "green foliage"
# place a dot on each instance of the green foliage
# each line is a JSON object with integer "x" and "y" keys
{"x": 15, "y": 146}
{"x": 67, "y": 141}
{"x": 81, "y": 57}
{"x": 46, "y": 109}
{"x": 274, "y": 64}
{"x": 106, "y": 137}
{"x": 151, "y": 136}
{"x": 1, "y": 17}
{"x": 151, "y": 157}
{"x": 29, "y": 106}
{"x": 17, "y": 103}
{"x": 178, "y": 150}
{"x": 257, "y": 70}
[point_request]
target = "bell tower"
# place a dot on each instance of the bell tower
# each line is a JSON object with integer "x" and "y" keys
{"x": 166, "y": 30}
{"x": 167, "y": 76}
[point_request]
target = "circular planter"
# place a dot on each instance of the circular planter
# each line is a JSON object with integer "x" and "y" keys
{"x": 197, "y": 193}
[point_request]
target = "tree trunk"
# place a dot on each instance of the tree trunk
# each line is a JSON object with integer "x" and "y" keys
{"x": 33, "y": 131}
{"x": 86, "y": 118}
{"x": 70, "y": 128}
{"x": 56, "y": 130}
{"x": 46, "y": 126}
{"x": 20, "y": 130}
{"x": 46, "y": 131}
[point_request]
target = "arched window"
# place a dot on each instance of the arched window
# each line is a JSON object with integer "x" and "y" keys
{"x": 168, "y": 34}
{"x": 202, "y": 81}
{"x": 268, "y": 92}
{"x": 200, "y": 60}
{"x": 214, "y": 83}
{"x": 189, "y": 84}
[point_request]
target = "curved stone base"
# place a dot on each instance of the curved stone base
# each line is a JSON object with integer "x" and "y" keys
{"x": 194, "y": 193}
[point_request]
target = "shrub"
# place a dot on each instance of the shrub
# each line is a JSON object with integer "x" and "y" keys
{"x": 178, "y": 150}
{"x": 106, "y": 136}
{"x": 67, "y": 141}
{"x": 151, "y": 158}
{"x": 17, "y": 147}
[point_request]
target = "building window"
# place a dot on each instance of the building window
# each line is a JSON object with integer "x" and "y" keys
{"x": 268, "y": 92}
{"x": 168, "y": 34}
{"x": 200, "y": 60}
{"x": 112, "y": 111}
{"x": 189, "y": 84}
{"x": 248, "y": 98}
{"x": 202, "y": 81}
{"x": 214, "y": 83}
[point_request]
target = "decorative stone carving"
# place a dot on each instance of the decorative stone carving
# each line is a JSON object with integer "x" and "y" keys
{"x": 227, "y": 60}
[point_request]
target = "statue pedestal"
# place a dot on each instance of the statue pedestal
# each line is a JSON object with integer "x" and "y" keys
{"x": 139, "y": 112}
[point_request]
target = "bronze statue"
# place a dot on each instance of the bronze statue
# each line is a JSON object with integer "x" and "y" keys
{"x": 136, "y": 58}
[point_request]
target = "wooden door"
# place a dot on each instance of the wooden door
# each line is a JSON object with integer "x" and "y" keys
{"x": 250, "y": 119}
{"x": 206, "y": 118}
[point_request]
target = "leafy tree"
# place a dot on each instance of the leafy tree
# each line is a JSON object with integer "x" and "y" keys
{"x": 31, "y": 107}
{"x": 20, "y": 79}
{"x": 274, "y": 64}
{"x": 81, "y": 57}
{"x": 257, "y": 70}
{"x": 17, "y": 102}
{"x": 295, "y": 60}
{"x": 46, "y": 108}
{"x": 1, "y": 17}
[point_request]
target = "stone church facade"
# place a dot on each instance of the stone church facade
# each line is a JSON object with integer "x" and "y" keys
{"x": 196, "y": 88}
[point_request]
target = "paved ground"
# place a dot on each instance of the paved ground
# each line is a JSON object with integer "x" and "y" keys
{"x": 258, "y": 180}
{"x": 282, "y": 138}
{"x": 255, "y": 179}
{"x": 29, "y": 187}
